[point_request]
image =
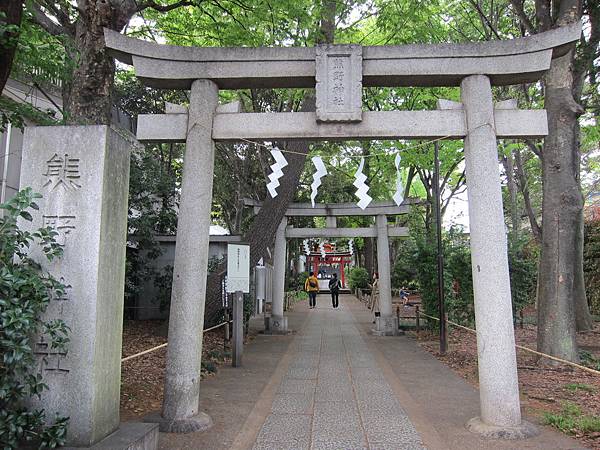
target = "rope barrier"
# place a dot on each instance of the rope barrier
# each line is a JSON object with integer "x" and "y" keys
{"x": 158, "y": 347}
{"x": 144, "y": 352}
{"x": 527, "y": 349}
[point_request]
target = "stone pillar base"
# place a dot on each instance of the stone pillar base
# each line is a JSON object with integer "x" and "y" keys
{"x": 523, "y": 431}
{"x": 276, "y": 325}
{"x": 129, "y": 435}
{"x": 199, "y": 422}
{"x": 386, "y": 326}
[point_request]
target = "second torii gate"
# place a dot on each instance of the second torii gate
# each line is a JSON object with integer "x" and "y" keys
{"x": 387, "y": 323}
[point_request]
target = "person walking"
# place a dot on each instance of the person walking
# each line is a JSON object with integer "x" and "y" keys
{"x": 334, "y": 288}
{"x": 311, "y": 285}
{"x": 375, "y": 296}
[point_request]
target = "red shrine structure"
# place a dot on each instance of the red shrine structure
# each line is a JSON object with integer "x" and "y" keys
{"x": 333, "y": 262}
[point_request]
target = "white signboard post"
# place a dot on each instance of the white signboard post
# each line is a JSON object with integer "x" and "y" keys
{"x": 238, "y": 283}
{"x": 238, "y": 268}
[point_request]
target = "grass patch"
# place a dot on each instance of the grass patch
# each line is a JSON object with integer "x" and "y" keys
{"x": 572, "y": 420}
{"x": 574, "y": 387}
{"x": 209, "y": 366}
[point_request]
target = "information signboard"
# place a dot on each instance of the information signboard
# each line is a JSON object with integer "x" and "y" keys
{"x": 238, "y": 268}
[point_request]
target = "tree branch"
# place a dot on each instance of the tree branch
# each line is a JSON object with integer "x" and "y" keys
{"x": 524, "y": 188}
{"x": 166, "y": 8}
{"x": 525, "y": 21}
{"x": 485, "y": 18}
{"x": 534, "y": 148}
{"x": 46, "y": 23}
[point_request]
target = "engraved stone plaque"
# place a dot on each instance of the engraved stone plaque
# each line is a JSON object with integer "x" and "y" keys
{"x": 339, "y": 83}
{"x": 83, "y": 174}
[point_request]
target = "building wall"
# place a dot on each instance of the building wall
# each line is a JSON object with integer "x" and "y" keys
{"x": 147, "y": 304}
{"x": 11, "y": 140}
{"x": 11, "y": 143}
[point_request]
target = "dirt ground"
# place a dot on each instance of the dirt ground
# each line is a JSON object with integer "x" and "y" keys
{"x": 545, "y": 389}
{"x": 142, "y": 378}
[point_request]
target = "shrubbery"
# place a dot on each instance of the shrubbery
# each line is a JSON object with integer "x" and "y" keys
{"x": 25, "y": 293}
{"x": 295, "y": 282}
{"x": 358, "y": 278}
{"x": 416, "y": 267}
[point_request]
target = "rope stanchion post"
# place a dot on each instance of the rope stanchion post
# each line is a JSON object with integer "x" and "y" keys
{"x": 227, "y": 332}
{"x": 418, "y": 319}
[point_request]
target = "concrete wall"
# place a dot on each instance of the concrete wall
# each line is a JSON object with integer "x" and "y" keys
{"x": 147, "y": 304}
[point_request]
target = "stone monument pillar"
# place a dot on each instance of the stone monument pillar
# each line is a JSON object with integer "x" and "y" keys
{"x": 83, "y": 174}
{"x": 277, "y": 321}
{"x": 386, "y": 324}
{"x": 498, "y": 383}
{"x": 181, "y": 412}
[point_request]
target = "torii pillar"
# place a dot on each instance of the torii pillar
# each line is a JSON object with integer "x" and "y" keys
{"x": 181, "y": 413}
{"x": 278, "y": 323}
{"x": 386, "y": 324}
{"x": 498, "y": 382}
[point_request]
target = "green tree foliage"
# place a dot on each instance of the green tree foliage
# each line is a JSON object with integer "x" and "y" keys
{"x": 25, "y": 293}
{"x": 416, "y": 266}
{"x": 358, "y": 278}
{"x": 39, "y": 61}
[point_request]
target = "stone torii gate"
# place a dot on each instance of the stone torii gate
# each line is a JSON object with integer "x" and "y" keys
{"x": 386, "y": 324}
{"x": 338, "y": 72}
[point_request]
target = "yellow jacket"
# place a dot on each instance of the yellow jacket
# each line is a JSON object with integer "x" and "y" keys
{"x": 308, "y": 287}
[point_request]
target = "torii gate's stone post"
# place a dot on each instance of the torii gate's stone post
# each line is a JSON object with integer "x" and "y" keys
{"x": 498, "y": 382}
{"x": 181, "y": 412}
{"x": 277, "y": 321}
{"x": 386, "y": 324}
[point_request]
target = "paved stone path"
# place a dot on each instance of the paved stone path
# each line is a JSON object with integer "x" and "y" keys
{"x": 334, "y": 395}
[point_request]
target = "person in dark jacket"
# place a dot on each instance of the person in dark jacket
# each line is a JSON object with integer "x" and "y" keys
{"x": 334, "y": 288}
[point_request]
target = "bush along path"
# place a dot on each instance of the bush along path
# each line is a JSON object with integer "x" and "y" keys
{"x": 25, "y": 293}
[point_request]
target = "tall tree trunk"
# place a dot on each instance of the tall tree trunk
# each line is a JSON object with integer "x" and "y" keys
{"x": 261, "y": 234}
{"x": 583, "y": 318}
{"x": 89, "y": 93}
{"x": 369, "y": 253}
{"x": 12, "y": 11}
{"x": 512, "y": 191}
{"x": 561, "y": 207}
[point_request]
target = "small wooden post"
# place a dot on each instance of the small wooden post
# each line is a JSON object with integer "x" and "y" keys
{"x": 227, "y": 333}
{"x": 445, "y": 333}
{"x": 398, "y": 315}
{"x": 521, "y": 318}
{"x": 238, "y": 329}
{"x": 418, "y": 319}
